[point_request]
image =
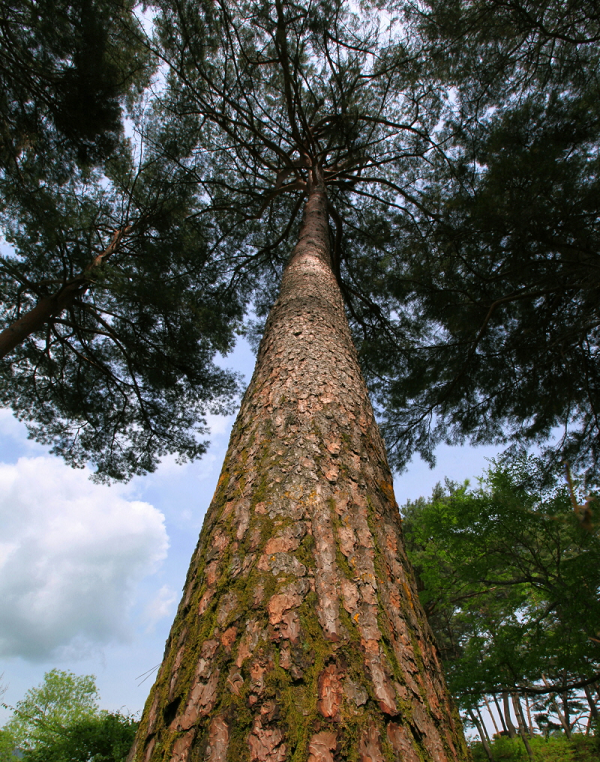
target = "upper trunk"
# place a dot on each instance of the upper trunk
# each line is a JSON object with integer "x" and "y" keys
{"x": 300, "y": 635}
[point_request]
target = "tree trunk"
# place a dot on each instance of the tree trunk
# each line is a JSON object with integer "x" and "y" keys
{"x": 300, "y": 635}
{"x": 521, "y": 724}
{"x": 509, "y": 725}
{"x": 592, "y": 705}
{"x": 554, "y": 703}
{"x": 529, "y": 720}
{"x": 500, "y": 714}
{"x": 34, "y": 320}
{"x": 480, "y": 718}
{"x": 482, "y": 734}
{"x": 591, "y": 702}
{"x": 561, "y": 717}
{"x": 565, "y": 703}
{"x": 489, "y": 708}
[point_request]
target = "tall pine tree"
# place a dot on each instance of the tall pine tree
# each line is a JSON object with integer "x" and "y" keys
{"x": 300, "y": 634}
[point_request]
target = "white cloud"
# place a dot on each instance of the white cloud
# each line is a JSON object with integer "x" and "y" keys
{"x": 160, "y": 606}
{"x": 71, "y": 555}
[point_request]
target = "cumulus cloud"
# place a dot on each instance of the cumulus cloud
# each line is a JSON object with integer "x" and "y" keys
{"x": 71, "y": 555}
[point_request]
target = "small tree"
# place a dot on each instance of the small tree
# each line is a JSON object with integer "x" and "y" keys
{"x": 59, "y": 721}
{"x": 61, "y": 700}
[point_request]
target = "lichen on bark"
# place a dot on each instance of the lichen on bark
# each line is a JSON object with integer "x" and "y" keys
{"x": 300, "y": 636}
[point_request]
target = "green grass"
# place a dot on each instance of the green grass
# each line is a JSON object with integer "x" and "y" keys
{"x": 553, "y": 749}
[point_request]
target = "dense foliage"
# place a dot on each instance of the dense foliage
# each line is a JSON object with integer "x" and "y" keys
{"x": 106, "y": 737}
{"x": 122, "y": 305}
{"x": 459, "y": 146}
{"x": 504, "y": 265}
{"x": 553, "y": 749}
{"x": 64, "y": 71}
{"x": 125, "y": 373}
{"x": 60, "y": 700}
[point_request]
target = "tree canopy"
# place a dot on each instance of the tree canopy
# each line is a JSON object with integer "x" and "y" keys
{"x": 65, "y": 69}
{"x": 60, "y": 700}
{"x": 506, "y": 270}
{"x": 113, "y": 303}
{"x": 124, "y": 372}
{"x": 458, "y": 144}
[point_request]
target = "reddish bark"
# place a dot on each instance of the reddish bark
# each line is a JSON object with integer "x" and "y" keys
{"x": 300, "y": 583}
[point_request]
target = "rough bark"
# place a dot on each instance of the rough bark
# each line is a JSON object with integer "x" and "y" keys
{"x": 300, "y": 635}
{"x": 565, "y": 703}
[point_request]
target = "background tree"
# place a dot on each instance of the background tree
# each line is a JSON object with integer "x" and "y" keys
{"x": 507, "y": 579}
{"x": 106, "y": 737}
{"x": 7, "y": 744}
{"x": 59, "y": 721}
{"x": 62, "y": 699}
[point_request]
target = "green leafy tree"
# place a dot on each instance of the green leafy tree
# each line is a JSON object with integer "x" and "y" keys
{"x": 7, "y": 746}
{"x": 59, "y": 721}
{"x": 62, "y": 700}
{"x": 509, "y": 580}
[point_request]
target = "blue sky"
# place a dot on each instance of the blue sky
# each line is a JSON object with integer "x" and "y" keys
{"x": 90, "y": 575}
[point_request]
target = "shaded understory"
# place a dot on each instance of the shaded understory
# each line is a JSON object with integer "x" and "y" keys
{"x": 553, "y": 749}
